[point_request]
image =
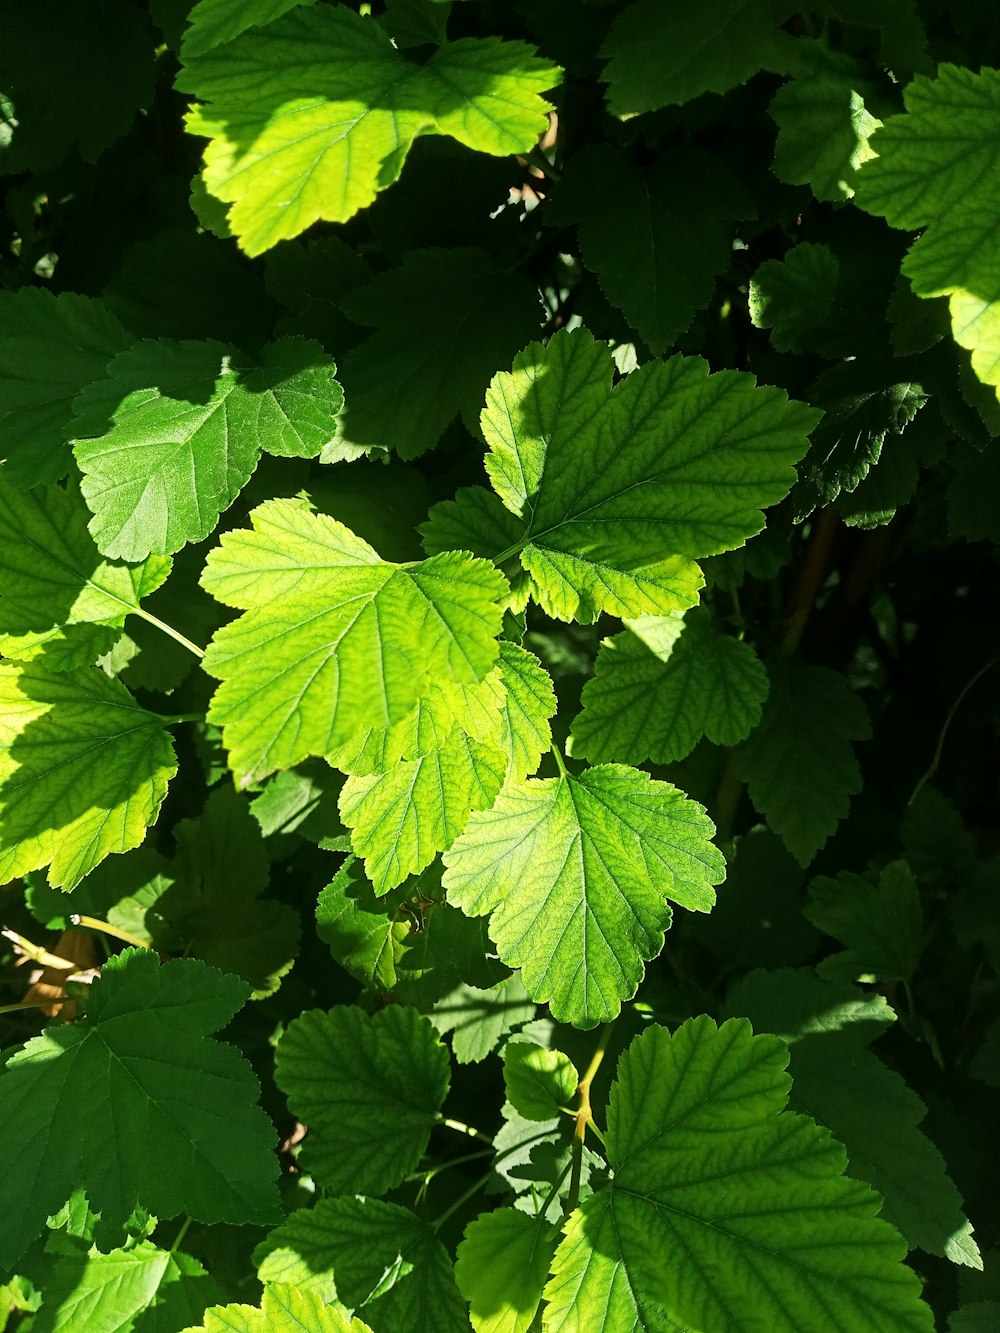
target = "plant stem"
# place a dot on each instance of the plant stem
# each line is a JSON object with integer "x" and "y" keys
{"x": 106, "y": 928}
{"x": 180, "y": 1235}
{"x": 560, "y": 762}
{"x": 169, "y": 629}
{"x": 460, "y": 1127}
{"x": 585, "y": 1116}
{"x": 939, "y": 748}
{"x": 811, "y": 572}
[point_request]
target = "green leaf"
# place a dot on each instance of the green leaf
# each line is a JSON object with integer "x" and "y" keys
{"x": 576, "y": 872}
{"x": 758, "y": 919}
{"x": 823, "y": 134}
{"x": 136, "y": 1104}
{"x": 283, "y": 1309}
{"x": 539, "y": 1082}
{"x": 864, "y": 1104}
{"x": 143, "y": 1288}
{"x": 794, "y": 296}
{"x": 369, "y": 1088}
{"x": 366, "y": 935}
{"x": 864, "y": 407}
{"x": 678, "y": 212}
{"x": 74, "y": 78}
{"x": 886, "y": 487}
{"x": 400, "y": 820}
{"x": 979, "y": 1317}
{"x": 61, "y": 604}
{"x": 501, "y": 1267}
{"x": 666, "y": 55}
{"x": 374, "y": 1257}
{"x": 444, "y": 321}
{"x": 618, "y": 492}
{"x": 880, "y": 924}
{"x": 938, "y": 169}
{"x": 663, "y": 685}
{"x": 212, "y": 23}
{"x": 335, "y": 641}
{"x": 214, "y": 909}
{"x": 725, "y": 1208}
{"x": 83, "y": 771}
{"x": 332, "y": 130}
{"x": 529, "y": 703}
{"x": 51, "y": 347}
{"x": 480, "y": 1019}
{"x": 169, "y": 439}
{"x": 798, "y": 763}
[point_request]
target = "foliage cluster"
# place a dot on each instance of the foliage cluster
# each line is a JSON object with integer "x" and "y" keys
{"x": 498, "y": 529}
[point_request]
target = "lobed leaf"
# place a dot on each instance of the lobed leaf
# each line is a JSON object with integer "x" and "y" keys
{"x": 339, "y": 110}
{"x": 83, "y": 771}
{"x": 335, "y": 641}
{"x": 137, "y": 1105}
{"x": 370, "y": 1256}
{"x": 61, "y": 604}
{"x": 663, "y": 685}
{"x": 725, "y": 1208}
{"x": 575, "y": 872}
{"x": 938, "y": 169}
{"x": 369, "y": 1088}
{"x": 170, "y": 437}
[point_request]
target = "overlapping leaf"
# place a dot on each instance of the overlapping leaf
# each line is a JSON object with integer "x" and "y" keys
{"x": 794, "y": 297}
{"x": 798, "y": 763}
{"x": 664, "y": 55}
{"x": 726, "y": 1208}
{"x": 678, "y": 210}
{"x": 340, "y": 109}
{"x": 619, "y": 491}
{"x": 662, "y": 686}
{"x": 823, "y": 134}
{"x": 479, "y": 1019}
{"x": 171, "y": 1116}
{"x": 369, "y": 1088}
{"x": 169, "y": 438}
{"x": 880, "y": 924}
{"x": 334, "y": 641}
{"x": 51, "y": 347}
{"x": 374, "y": 1257}
{"x": 83, "y": 770}
{"x": 282, "y": 1309}
{"x": 61, "y": 604}
{"x": 576, "y": 872}
{"x": 938, "y": 170}
{"x": 502, "y": 1266}
{"x": 869, "y": 1108}
{"x": 443, "y": 323}
{"x": 142, "y": 1288}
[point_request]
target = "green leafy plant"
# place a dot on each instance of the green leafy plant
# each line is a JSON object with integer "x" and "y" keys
{"x": 497, "y": 700}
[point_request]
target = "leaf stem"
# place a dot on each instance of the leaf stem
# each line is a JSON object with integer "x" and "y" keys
{"x": 560, "y": 762}
{"x": 460, "y": 1127}
{"x": 106, "y": 928}
{"x": 36, "y": 953}
{"x": 585, "y": 1116}
{"x": 36, "y": 1004}
{"x": 169, "y": 629}
{"x": 462, "y": 1199}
